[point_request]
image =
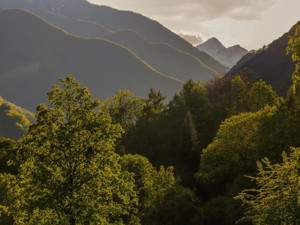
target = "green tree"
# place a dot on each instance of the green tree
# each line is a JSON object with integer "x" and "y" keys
{"x": 262, "y": 95}
{"x": 235, "y": 149}
{"x": 179, "y": 206}
{"x": 7, "y": 155}
{"x": 69, "y": 173}
{"x": 125, "y": 108}
{"x": 151, "y": 184}
{"x": 146, "y": 137}
{"x": 161, "y": 199}
{"x": 240, "y": 99}
{"x": 154, "y": 105}
{"x": 294, "y": 48}
{"x": 275, "y": 201}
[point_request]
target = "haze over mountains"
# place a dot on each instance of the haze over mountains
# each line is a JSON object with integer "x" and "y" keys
{"x": 227, "y": 56}
{"x": 153, "y": 43}
{"x": 108, "y": 50}
{"x": 271, "y": 64}
{"x": 34, "y": 55}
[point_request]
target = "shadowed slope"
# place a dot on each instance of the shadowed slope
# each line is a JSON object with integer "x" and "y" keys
{"x": 34, "y": 54}
{"x": 270, "y": 63}
{"x": 170, "y": 55}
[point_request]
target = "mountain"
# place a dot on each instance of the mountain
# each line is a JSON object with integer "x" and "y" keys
{"x": 35, "y": 54}
{"x": 159, "y": 47}
{"x": 270, "y": 63}
{"x": 14, "y": 120}
{"x": 227, "y": 56}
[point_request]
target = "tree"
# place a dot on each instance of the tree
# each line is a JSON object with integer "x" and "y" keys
{"x": 275, "y": 200}
{"x": 125, "y": 108}
{"x": 179, "y": 206}
{"x": 239, "y": 95}
{"x": 7, "y": 155}
{"x": 235, "y": 149}
{"x": 146, "y": 137}
{"x": 151, "y": 184}
{"x": 262, "y": 95}
{"x": 294, "y": 48}
{"x": 154, "y": 105}
{"x": 69, "y": 173}
{"x": 161, "y": 199}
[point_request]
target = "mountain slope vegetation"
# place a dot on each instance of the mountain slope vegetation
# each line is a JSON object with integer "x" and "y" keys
{"x": 14, "y": 120}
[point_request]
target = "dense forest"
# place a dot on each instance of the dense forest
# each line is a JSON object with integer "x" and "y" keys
{"x": 217, "y": 153}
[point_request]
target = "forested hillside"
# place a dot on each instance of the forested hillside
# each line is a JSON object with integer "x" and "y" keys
{"x": 115, "y": 141}
{"x": 129, "y": 160}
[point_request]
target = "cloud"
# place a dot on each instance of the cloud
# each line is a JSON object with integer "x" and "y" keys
{"x": 194, "y": 39}
{"x": 194, "y": 9}
{"x": 231, "y": 21}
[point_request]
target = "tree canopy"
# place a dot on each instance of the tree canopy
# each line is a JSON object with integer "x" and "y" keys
{"x": 69, "y": 173}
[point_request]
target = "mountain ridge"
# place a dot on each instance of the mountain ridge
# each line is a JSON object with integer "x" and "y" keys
{"x": 35, "y": 54}
{"x": 270, "y": 63}
{"x": 227, "y": 56}
{"x": 86, "y": 24}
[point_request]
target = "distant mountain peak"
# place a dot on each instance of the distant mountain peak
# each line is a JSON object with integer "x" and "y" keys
{"x": 227, "y": 56}
{"x": 270, "y": 63}
{"x": 213, "y": 42}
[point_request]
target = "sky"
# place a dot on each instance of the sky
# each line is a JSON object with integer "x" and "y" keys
{"x": 249, "y": 23}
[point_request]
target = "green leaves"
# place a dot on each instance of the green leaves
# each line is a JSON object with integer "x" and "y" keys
{"x": 276, "y": 198}
{"x": 69, "y": 173}
{"x": 294, "y": 48}
{"x": 235, "y": 148}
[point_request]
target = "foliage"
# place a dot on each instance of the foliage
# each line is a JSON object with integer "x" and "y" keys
{"x": 14, "y": 120}
{"x": 239, "y": 95}
{"x": 179, "y": 206}
{"x": 262, "y": 95}
{"x": 294, "y": 48}
{"x": 125, "y": 108}
{"x": 7, "y": 155}
{"x": 152, "y": 185}
{"x": 235, "y": 148}
{"x": 276, "y": 198}
{"x": 69, "y": 173}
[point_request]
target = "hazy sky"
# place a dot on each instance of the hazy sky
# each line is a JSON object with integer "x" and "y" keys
{"x": 250, "y": 23}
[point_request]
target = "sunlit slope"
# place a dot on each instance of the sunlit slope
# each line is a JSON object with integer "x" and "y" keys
{"x": 84, "y": 19}
{"x": 34, "y": 54}
{"x": 14, "y": 120}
